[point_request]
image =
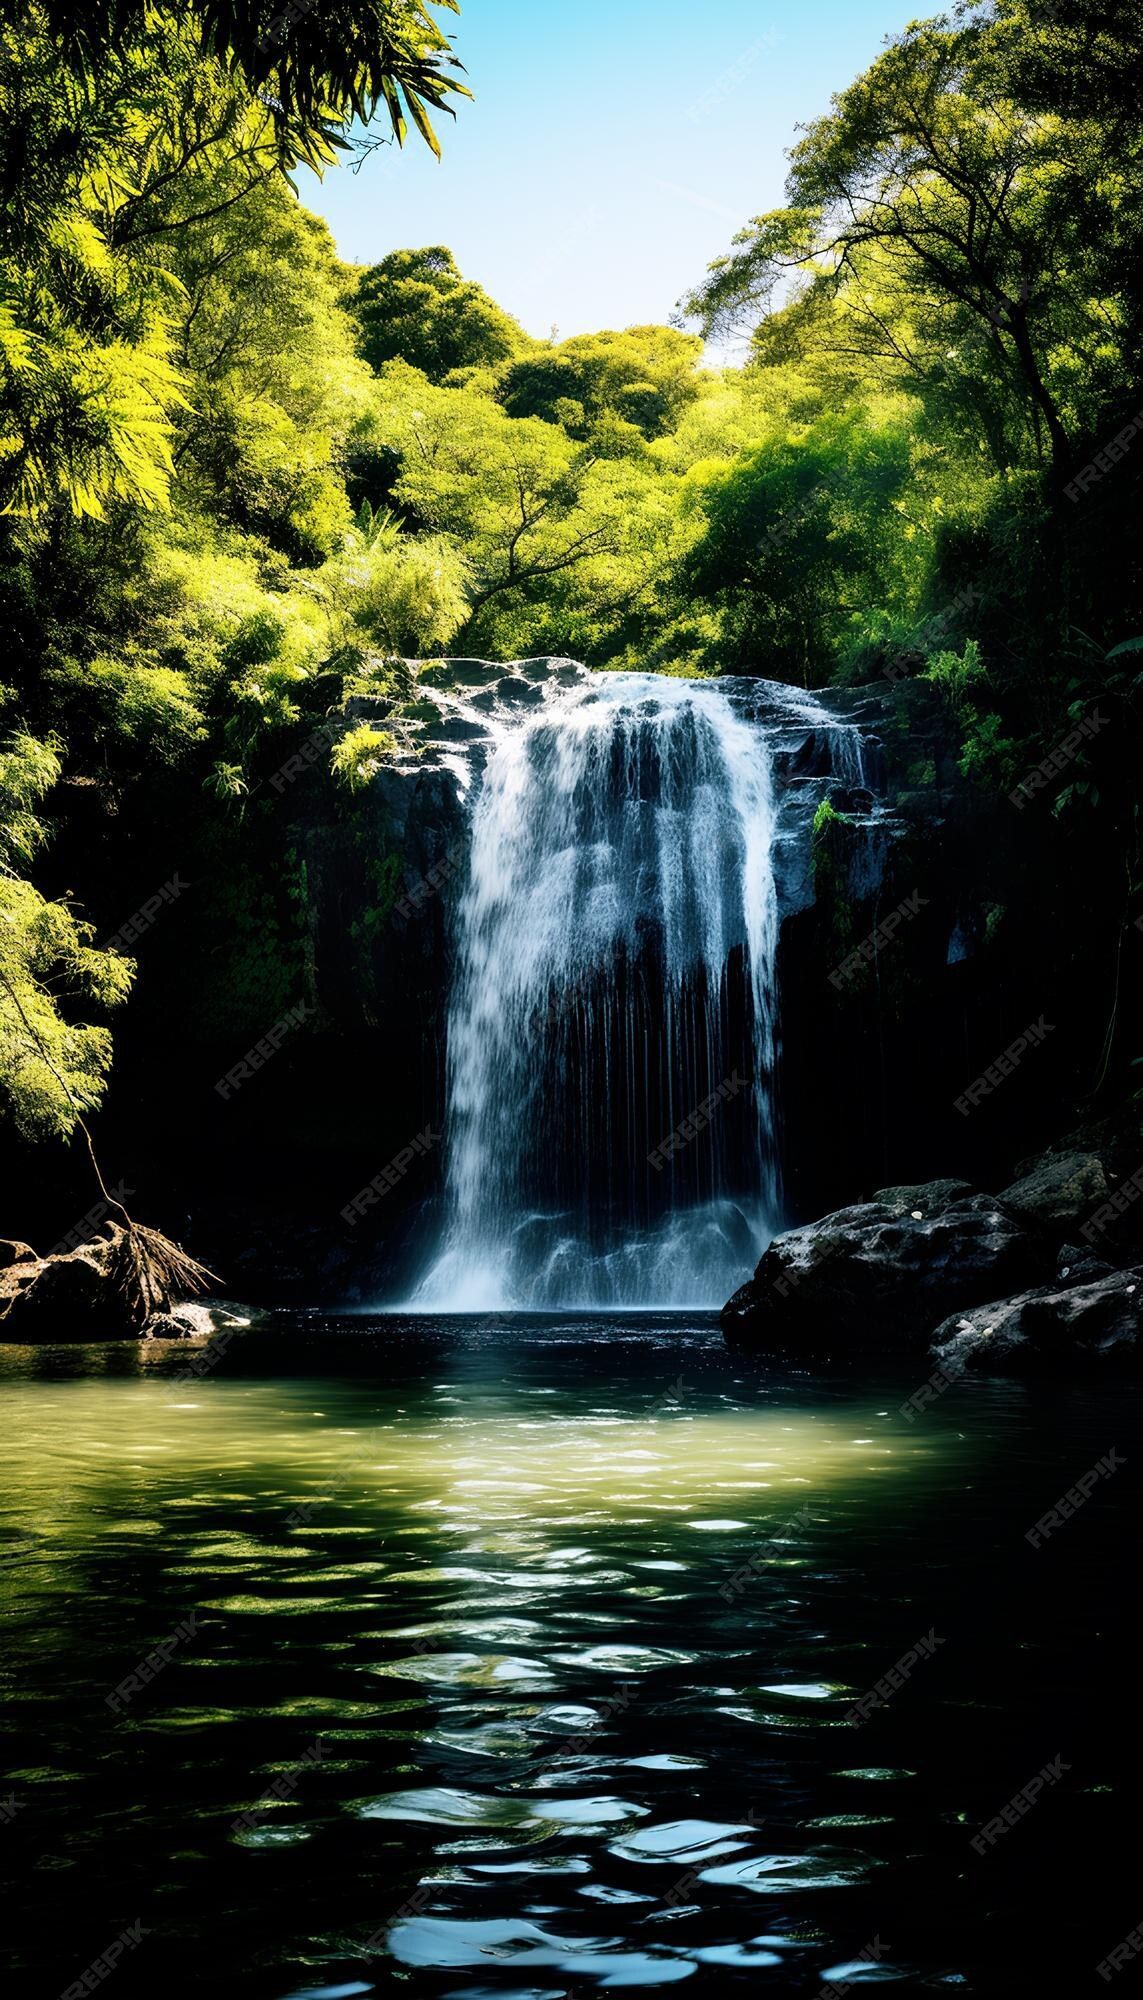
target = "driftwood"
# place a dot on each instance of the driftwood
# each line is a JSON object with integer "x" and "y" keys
{"x": 149, "y": 1269}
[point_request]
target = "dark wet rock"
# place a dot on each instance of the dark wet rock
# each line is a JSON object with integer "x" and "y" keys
{"x": 875, "y": 1276}
{"x": 1077, "y": 1265}
{"x": 196, "y": 1320}
{"x": 1049, "y": 1327}
{"x": 925, "y": 1199}
{"x": 1059, "y": 1189}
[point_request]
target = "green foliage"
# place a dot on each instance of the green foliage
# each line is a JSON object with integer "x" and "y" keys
{"x": 255, "y": 934}
{"x": 552, "y": 534}
{"x": 360, "y": 754}
{"x": 825, "y": 817}
{"x": 318, "y": 67}
{"x": 415, "y": 306}
{"x": 801, "y": 534}
{"x": 958, "y": 675}
{"x": 243, "y": 488}
{"x": 645, "y": 377}
{"x": 52, "y": 1067}
{"x": 398, "y": 593}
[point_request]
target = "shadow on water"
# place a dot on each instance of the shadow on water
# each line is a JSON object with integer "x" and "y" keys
{"x": 498, "y": 1667}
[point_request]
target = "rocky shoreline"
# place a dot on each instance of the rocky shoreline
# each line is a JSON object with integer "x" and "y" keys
{"x": 1045, "y": 1274}
{"x": 1018, "y": 1281}
{"x": 74, "y": 1295}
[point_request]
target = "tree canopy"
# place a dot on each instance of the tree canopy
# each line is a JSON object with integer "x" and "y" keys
{"x": 315, "y": 67}
{"x": 415, "y": 306}
{"x": 242, "y": 485}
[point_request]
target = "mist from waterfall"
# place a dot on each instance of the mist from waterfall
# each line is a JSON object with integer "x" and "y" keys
{"x": 614, "y": 989}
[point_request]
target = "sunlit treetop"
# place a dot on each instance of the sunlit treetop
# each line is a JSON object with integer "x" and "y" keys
{"x": 318, "y": 64}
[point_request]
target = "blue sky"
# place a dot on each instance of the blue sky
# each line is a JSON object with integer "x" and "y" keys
{"x": 613, "y": 147}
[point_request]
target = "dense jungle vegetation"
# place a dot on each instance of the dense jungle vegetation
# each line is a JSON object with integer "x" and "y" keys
{"x": 243, "y": 483}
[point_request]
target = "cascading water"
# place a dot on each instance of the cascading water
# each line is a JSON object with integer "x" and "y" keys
{"x": 614, "y": 990}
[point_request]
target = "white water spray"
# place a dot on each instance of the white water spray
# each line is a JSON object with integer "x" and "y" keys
{"x": 615, "y": 967}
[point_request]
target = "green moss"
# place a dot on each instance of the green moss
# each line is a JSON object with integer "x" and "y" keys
{"x": 826, "y": 816}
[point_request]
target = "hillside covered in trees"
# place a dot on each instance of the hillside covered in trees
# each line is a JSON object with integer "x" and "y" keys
{"x": 244, "y": 486}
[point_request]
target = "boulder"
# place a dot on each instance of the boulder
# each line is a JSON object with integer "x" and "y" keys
{"x": 76, "y": 1295}
{"x": 923, "y": 1199}
{"x": 176, "y": 1325}
{"x": 877, "y": 1276}
{"x": 1052, "y": 1326}
{"x": 67, "y": 1297}
{"x": 1076, "y": 1265}
{"x": 195, "y": 1320}
{"x": 1060, "y": 1189}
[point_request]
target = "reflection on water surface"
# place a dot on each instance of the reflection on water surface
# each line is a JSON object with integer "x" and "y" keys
{"x": 520, "y": 1659}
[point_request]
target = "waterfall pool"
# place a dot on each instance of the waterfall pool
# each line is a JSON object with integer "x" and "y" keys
{"x": 506, "y": 1658}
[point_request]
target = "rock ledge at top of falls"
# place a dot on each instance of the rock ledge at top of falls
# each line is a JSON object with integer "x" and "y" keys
{"x": 817, "y": 742}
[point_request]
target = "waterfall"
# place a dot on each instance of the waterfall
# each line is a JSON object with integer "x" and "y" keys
{"x": 610, "y": 1126}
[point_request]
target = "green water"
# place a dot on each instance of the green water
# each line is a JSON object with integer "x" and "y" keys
{"x": 547, "y": 1638}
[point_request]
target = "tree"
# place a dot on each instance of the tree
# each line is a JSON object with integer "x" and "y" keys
{"x": 52, "y": 1067}
{"x": 316, "y": 67}
{"x": 526, "y": 505}
{"x": 646, "y": 376}
{"x": 801, "y": 537}
{"x": 415, "y": 306}
{"x": 948, "y": 218}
